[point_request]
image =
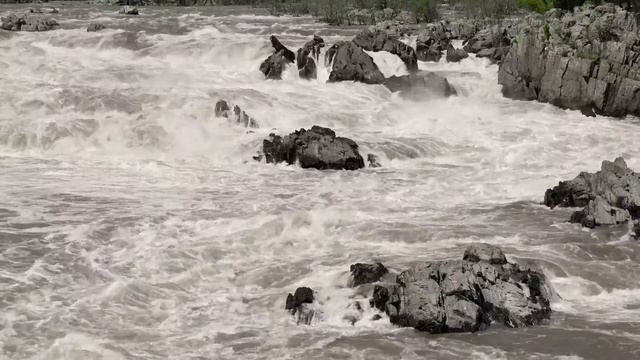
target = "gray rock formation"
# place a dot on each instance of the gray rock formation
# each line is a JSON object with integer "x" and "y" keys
{"x": 587, "y": 60}
{"x": 381, "y": 41}
{"x": 28, "y": 22}
{"x": 432, "y": 42}
{"x": 273, "y": 66}
{"x": 237, "y": 115}
{"x": 129, "y": 10}
{"x": 317, "y": 148}
{"x": 300, "y": 303}
{"x": 350, "y": 63}
{"x": 609, "y": 196}
{"x": 93, "y": 27}
{"x": 465, "y": 295}
{"x": 373, "y": 161}
{"x": 308, "y": 57}
{"x": 492, "y": 42}
{"x": 420, "y": 85}
{"x": 366, "y": 273}
{"x": 455, "y": 55}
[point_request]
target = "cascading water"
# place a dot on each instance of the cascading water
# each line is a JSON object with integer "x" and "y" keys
{"x": 134, "y": 224}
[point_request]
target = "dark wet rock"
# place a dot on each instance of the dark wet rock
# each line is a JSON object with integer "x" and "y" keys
{"x": 432, "y": 41}
{"x": 485, "y": 252}
{"x": 300, "y": 303}
{"x": 350, "y": 63}
{"x": 588, "y": 58}
{"x": 456, "y": 55}
{"x": 463, "y": 296}
{"x": 237, "y": 115}
{"x": 492, "y": 43}
{"x": 308, "y": 57}
{"x": 382, "y": 41}
{"x": 28, "y": 22}
{"x": 373, "y": 161}
{"x": 420, "y": 85}
{"x": 636, "y": 230}
{"x": 273, "y": 66}
{"x": 610, "y": 196}
{"x": 93, "y": 27}
{"x": 366, "y": 273}
{"x": 129, "y": 10}
{"x": 317, "y": 148}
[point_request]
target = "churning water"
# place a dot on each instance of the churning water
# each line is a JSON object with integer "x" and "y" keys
{"x": 134, "y": 224}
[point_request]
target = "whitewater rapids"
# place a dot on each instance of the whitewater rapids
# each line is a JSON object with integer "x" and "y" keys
{"x": 134, "y": 224}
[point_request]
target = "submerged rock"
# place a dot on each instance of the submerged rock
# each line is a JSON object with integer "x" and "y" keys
{"x": 93, "y": 27}
{"x": 420, "y": 85}
{"x": 465, "y": 295}
{"x": 28, "y": 22}
{"x": 238, "y": 116}
{"x": 299, "y": 303}
{"x": 366, "y": 273}
{"x": 307, "y": 58}
{"x": 317, "y": 148}
{"x": 456, "y": 55}
{"x": 350, "y": 63}
{"x": 129, "y": 10}
{"x": 382, "y": 41}
{"x": 587, "y": 59}
{"x": 373, "y": 161}
{"x": 273, "y": 66}
{"x": 610, "y": 196}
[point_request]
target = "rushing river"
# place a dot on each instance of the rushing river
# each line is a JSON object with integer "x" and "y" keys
{"x": 134, "y": 224}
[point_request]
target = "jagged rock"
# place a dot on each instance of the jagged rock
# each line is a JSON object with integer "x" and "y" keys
{"x": 420, "y": 84}
{"x": 317, "y": 148}
{"x": 485, "y": 252}
{"x": 273, "y": 66}
{"x": 636, "y": 230}
{"x": 366, "y": 273}
{"x": 350, "y": 63}
{"x": 432, "y": 42}
{"x": 492, "y": 43}
{"x": 381, "y": 41}
{"x": 28, "y": 22}
{"x": 610, "y": 196}
{"x": 455, "y": 55}
{"x": 464, "y": 295}
{"x": 599, "y": 212}
{"x": 373, "y": 161}
{"x": 223, "y": 109}
{"x": 129, "y": 10}
{"x": 307, "y": 58}
{"x": 93, "y": 27}
{"x": 586, "y": 59}
{"x": 299, "y": 303}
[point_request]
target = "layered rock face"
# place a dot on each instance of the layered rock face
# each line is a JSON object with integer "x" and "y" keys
{"x": 381, "y": 41}
{"x": 587, "y": 60}
{"x": 466, "y": 295}
{"x": 349, "y": 62}
{"x": 492, "y": 42}
{"x": 610, "y": 196}
{"x": 317, "y": 148}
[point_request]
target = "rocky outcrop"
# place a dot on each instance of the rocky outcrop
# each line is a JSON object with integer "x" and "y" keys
{"x": 307, "y": 58}
{"x": 420, "y": 85}
{"x": 317, "y": 148}
{"x": 273, "y": 66}
{"x": 237, "y": 115}
{"x": 93, "y": 27}
{"x": 455, "y": 55}
{"x": 492, "y": 42}
{"x": 586, "y": 60}
{"x": 129, "y": 10}
{"x": 381, "y": 41}
{"x": 350, "y": 63}
{"x": 28, "y": 22}
{"x": 610, "y": 196}
{"x": 374, "y": 17}
{"x": 373, "y": 161}
{"x": 466, "y": 295}
{"x": 432, "y": 42}
{"x": 299, "y": 304}
{"x": 366, "y": 273}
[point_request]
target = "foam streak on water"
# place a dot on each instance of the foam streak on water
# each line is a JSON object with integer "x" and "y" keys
{"x": 134, "y": 226}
